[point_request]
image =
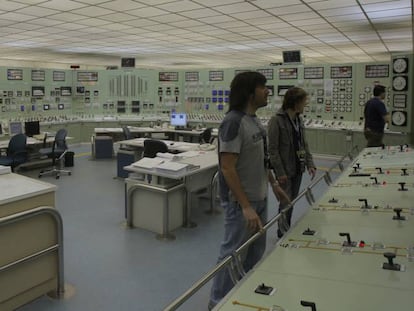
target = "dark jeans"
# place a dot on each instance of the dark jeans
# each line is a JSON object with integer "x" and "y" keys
{"x": 291, "y": 187}
{"x": 374, "y": 139}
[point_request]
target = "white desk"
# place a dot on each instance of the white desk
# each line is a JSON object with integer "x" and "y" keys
{"x": 27, "y": 280}
{"x": 317, "y": 268}
{"x": 147, "y": 130}
{"x": 204, "y": 166}
{"x": 180, "y": 146}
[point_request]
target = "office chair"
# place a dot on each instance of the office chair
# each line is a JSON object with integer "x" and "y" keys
{"x": 56, "y": 153}
{"x": 206, "y": 137}
{"x": 152, "y": 146}
{"x": 127, "y": 132}
{"x": 16, "y": 152}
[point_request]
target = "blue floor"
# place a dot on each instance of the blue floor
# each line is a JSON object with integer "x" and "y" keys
{"x": 114, "y": 268}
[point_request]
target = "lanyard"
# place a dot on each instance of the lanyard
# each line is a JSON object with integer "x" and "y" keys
{"x": 298, "y": 130}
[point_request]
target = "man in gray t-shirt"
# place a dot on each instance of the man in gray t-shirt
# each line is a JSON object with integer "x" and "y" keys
{"x": 243, "y": 176}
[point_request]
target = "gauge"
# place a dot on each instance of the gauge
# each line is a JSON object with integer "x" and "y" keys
{"x": 399, "y": 83}
{"x": 367, "y": 89}
{"x": 399, "y": 118}
{"x": 400, "y": 65}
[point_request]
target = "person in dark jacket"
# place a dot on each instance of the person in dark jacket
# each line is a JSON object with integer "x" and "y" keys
{"x": 376, "y": 116}
{"x": 288, "y": 150}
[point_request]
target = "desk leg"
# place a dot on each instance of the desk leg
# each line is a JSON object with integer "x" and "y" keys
{"x": 213, "y": 195}
{"x": 187, "y": 209}
{"x": 166, "y": 235}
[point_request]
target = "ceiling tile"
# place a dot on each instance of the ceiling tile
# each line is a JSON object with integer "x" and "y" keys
{"x": 121, "y": 5}
{"x": 291, "y": 9}
{"x": 66, "y": 17}
{"x": 92, "y": 2}
{"x": 388, "y": 13}
{"x": 267, "y": 4}
{"x": 180, "y": 6}
{"x": 66, "y": 5}
{"x": 10, "y": 6}
{"x": 17, "y": 17}
{"x": 168, "y": 18}
{"x": 92, "y": 11}
{"x": 147, "y": 12}
{"x": 31, "y": 1}
{"x": 236, "y": 8}
{"x": 118, "y": 17}
{"x": 257, "y": 14}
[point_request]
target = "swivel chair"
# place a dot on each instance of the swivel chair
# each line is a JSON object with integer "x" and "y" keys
{"x": 153, "y": 146}
{"x": 206, "y": 137}
{"x": 16, "y": 152}
{"x": 57, "y": 154}
{"x": 127, "y": 132}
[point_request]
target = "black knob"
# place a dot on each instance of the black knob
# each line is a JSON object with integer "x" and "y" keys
{"x": 355, "y": 168}
{"x": 402, "y": 184}
{"x": 308, "y": 304}
{"x": 390, "y": 256}
{"x": 379, "y": 170}
{"x": 398, "y": 211}
{"x": 357, "y": 164}
{"x": 365, "y": 202}
{"x": 390, "y": 265}
{"x": 348, "y": 237}
{"x": 333, "y": 200}
{"x": 404, "y": 173}
{"x": 375, "y": 180}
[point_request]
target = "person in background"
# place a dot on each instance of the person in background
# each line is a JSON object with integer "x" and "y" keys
{"x": 243, "y": 176}
{"x": 376, "y": 116}
{"x": 288, "y": 150}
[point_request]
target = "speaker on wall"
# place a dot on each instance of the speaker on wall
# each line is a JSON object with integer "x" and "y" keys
{"x": 292, "y": 57}
{"x": 127, "y": 62}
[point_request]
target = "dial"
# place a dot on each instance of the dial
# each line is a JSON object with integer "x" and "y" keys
{"x": 399, "y": 118}
{"x": 399, "y": 83}
{"x": 400, "y": 65}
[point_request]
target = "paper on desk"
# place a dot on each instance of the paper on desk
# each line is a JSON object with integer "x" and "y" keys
{"x": 189, "y": 154}
{"x": 5, "y": 169}
{"x": 172, "y": 166}
{"x": 148, "y": 163}
{"x": 169, "y": 156}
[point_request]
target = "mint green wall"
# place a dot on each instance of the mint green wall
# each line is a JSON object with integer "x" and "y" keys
{"x": 115, "y": 90}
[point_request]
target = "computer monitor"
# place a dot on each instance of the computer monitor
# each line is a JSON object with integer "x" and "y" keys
{"x": 32, "y": 128}
{"x": 15, "y": 127}
{"x": 178, "y": 119}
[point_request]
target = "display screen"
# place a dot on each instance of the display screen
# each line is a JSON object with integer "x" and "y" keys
{"x": 178, "y": 119}
{"x": 15, "y": 128}
{"x": 66, "y": 91}
{"x": 38, "y": 91}
{"x": 32, "y": 128}
{"x": 38, "y": 75}
{"x": 14, "y": 74}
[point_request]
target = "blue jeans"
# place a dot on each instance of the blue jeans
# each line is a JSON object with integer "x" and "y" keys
{"x": 235, "y": 234}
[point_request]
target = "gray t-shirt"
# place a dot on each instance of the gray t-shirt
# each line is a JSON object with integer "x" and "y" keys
{"x": 244, "y": 134}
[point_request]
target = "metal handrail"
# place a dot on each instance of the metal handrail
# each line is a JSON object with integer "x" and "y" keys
{"x": 7, "y": 220}
{"x": 234, "y": 257}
